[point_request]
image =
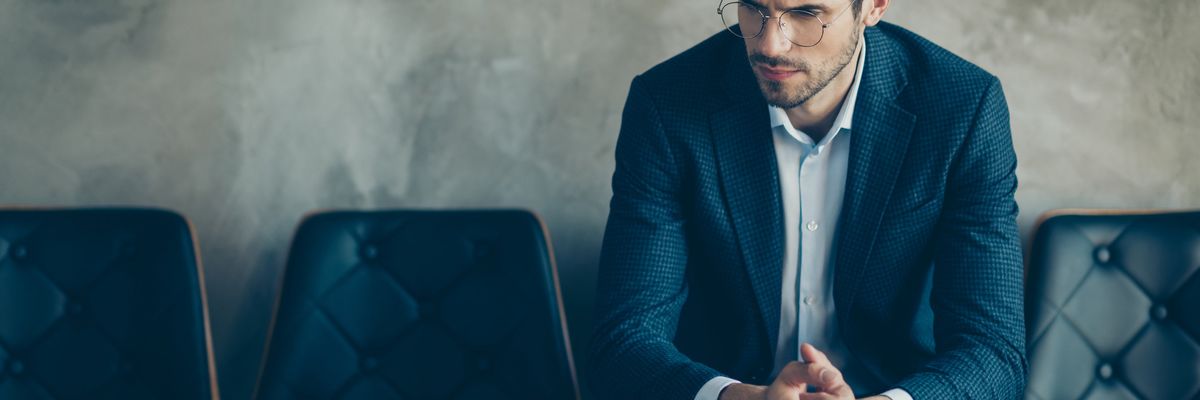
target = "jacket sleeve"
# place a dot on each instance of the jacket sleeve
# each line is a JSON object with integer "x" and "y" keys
{"x": 641, "y": 286}
{"x": 977, "y": 290}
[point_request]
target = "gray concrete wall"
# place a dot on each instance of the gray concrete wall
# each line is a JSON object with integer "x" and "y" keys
{"x": 246, "y": 114}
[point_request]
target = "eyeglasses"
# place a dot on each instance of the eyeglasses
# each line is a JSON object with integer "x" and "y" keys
{"x": 802, "y": 27}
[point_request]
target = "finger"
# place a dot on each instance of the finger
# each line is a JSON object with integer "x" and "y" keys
{"x": 794, "y": 375}
{"x": 823, "y": 375}
{"x": 821, "y": 371}
{"x": 816, "y": 396}
{"x": 812, "y": 355}
{"x": 780, "y": 391}
{"x": 841, "y": 390}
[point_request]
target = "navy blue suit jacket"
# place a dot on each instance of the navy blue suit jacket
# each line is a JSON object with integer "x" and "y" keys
{"x": 928, "y": 279}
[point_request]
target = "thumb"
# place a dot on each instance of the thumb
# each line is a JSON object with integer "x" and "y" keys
{"x": 812, "y": 355}
{"x": 792, "y": 379}
{"x": 826, "y": 374}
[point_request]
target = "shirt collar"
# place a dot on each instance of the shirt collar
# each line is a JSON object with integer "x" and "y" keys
{"x": 845, "y": 116}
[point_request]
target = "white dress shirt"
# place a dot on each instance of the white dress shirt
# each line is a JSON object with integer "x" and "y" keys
{"x": 812, "y": 180}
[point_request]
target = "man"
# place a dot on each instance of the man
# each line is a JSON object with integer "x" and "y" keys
{"x": 812, "y": 205}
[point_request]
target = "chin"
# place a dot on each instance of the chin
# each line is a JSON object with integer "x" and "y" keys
{"x": 775, "y": 93}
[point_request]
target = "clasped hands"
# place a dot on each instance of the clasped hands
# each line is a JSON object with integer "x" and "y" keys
{"x": 793, "y": 382}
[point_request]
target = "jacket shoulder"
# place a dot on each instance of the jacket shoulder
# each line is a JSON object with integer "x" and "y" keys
{"x": 932, "y": 66}
{"x": 691, "y": 76}
{"x": 939, "y": 82}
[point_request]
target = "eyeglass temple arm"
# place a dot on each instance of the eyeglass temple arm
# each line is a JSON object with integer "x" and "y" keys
{"x": 835, "y": 18}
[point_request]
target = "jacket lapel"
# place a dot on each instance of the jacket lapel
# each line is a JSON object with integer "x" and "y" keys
{"x": 881, "y": 133}
{"x": 749, "y": 175}
{"x": 745, "y": 156}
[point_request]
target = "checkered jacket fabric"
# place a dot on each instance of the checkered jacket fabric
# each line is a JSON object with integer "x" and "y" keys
{"x": 928, "y": 277}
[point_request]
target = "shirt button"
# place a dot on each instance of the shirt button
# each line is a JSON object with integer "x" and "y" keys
{"x": 812, "y": 226}
{"x": 808, "y": 300}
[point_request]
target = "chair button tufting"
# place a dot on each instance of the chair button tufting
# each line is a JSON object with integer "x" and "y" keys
{"x": 16, "y": 368}
{"x": 74, "y": 308}
{"x": 20, "y": 252}
{"x": 427, "y": 311}
{"x": 370, "y": 252}
{"x": 369, "y": 364}
{"x": 1105, "y": 371}
{"x": 128, "y": 250}
{"x": 1159, "y": 312}
{"x": 480, "y": 251}
{"x": 1103, "y": 254}
{"x": 125, "y": 368}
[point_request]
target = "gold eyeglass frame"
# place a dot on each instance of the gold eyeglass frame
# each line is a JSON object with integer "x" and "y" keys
{"x": 763, "y": 25}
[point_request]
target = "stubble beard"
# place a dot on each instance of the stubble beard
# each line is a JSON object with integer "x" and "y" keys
{"x": 780, "y": 95}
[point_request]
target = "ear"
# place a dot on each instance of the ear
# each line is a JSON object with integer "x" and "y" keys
{"x": 872, "y": 11}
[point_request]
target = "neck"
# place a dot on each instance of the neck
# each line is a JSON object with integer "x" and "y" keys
{"x": 816, "y": 116}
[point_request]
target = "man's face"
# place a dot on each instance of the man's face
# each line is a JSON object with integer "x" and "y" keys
{"x": 788, "y": 74}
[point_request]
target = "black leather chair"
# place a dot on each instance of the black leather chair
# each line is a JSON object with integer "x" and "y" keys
{"x": 1114, "y": 306}
{"x": 419, "y": 305}
{"x": 102, "y": 304}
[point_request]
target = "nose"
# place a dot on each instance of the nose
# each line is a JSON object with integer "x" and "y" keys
{"x": 772, "y": 42}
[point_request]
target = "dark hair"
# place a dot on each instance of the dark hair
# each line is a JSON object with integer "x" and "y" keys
{"x": 857, "y": 7}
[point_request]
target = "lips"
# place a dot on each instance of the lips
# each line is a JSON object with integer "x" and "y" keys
{"x": 776, "y": 74}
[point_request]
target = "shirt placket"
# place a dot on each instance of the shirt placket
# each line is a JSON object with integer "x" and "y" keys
{"x": 809, "y": 226}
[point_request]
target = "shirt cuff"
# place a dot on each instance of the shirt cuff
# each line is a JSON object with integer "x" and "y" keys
{"x": 712, "y": 389}
{"x": 897, "y": 394}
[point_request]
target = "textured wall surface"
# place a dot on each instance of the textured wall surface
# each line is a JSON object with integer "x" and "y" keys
{"x": 246, "y": 114}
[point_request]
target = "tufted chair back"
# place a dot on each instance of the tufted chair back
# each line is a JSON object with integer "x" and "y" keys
{"x": 419, "y": 305}
{"x": 102, "y": 304}
{"x": 1114, "y": 306}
